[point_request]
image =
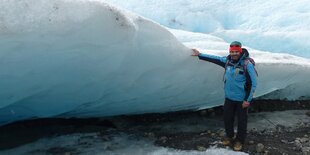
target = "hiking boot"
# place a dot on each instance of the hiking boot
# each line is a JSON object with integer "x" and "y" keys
{"x": 237, "y": 146}
{"x": 226, "y": 141}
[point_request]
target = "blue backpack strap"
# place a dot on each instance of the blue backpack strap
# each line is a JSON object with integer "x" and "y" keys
{"x": 226, "y": 64}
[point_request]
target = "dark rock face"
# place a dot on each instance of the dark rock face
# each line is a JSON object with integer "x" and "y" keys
{"x": 23, "y": 132}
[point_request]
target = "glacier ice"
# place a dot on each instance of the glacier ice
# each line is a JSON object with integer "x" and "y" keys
{"x": 276, "y": 26}
{"x": 81, "y": 58}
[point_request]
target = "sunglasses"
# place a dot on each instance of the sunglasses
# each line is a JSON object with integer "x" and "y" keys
{"x": 235, "y": 46}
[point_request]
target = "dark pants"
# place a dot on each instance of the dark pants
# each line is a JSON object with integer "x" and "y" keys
{"x": 232, "y": 108}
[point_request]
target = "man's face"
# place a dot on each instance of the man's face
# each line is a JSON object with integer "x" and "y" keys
{"x": 235, "y": 55}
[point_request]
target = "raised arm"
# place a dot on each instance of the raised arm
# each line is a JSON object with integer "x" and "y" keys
{"x": 211, "y": 58}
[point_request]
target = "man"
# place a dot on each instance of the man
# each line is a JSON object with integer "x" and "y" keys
{"x": 239, "y": 84}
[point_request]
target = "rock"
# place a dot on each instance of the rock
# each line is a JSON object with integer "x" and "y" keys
{"x": 304, "y": 140}
{"x": 308, "y": 113}
{"x": 306, "y": 150}
{"x": 302, "y": 124}
{"x": 254, "y": 130}
{"x": 213, "y": 134}
{"x": 260, "y": 148}
{"x": 289, "y": 129}
{"x": 298, "y": 144}
{"x": 201, "y": 148}
{"x": 306, "y": 136}
{"x": 251, "y": 142}
{"x": 67, "y": 153}
{"x": 284, "y": 141}
{"x": 209, "y": 131}
{"x": 295, "y": 148}
{"x": 202, "y": 134}
{"x": 106, "y": 147}
{"x": 211, "y": 110}
{"x": 262, "y": 132}
{"x": 203, "y": 112}
{"x": 212, "y": 114}
{"x": 272, "y": 132}
{"x": 163, "y": 139}
{"x": 222, "y": 133}
{"x": 280, "y": 128}
{"x": 149, "y": 134}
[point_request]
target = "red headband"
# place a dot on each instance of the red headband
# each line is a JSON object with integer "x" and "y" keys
{"x": 235, "y": 48}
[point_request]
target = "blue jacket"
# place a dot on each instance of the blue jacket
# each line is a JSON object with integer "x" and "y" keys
{"x": 239, "y": 86}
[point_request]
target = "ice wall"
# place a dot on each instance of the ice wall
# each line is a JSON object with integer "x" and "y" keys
{"x": 80, "y": 58}
{"x": 280, "y": 26}
{"x": 87, "y": 58}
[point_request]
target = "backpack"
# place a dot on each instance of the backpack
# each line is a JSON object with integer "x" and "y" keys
{"x": 247, "y": 59}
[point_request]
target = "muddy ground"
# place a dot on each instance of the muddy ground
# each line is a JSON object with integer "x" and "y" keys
{"x": 185, "y": 130}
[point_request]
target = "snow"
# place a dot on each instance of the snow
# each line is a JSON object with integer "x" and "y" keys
{"x": 82, "y": 58}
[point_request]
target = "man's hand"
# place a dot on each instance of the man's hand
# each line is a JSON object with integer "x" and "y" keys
{"x": 195, "y": 52}
{"x": 245, "y": 104}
